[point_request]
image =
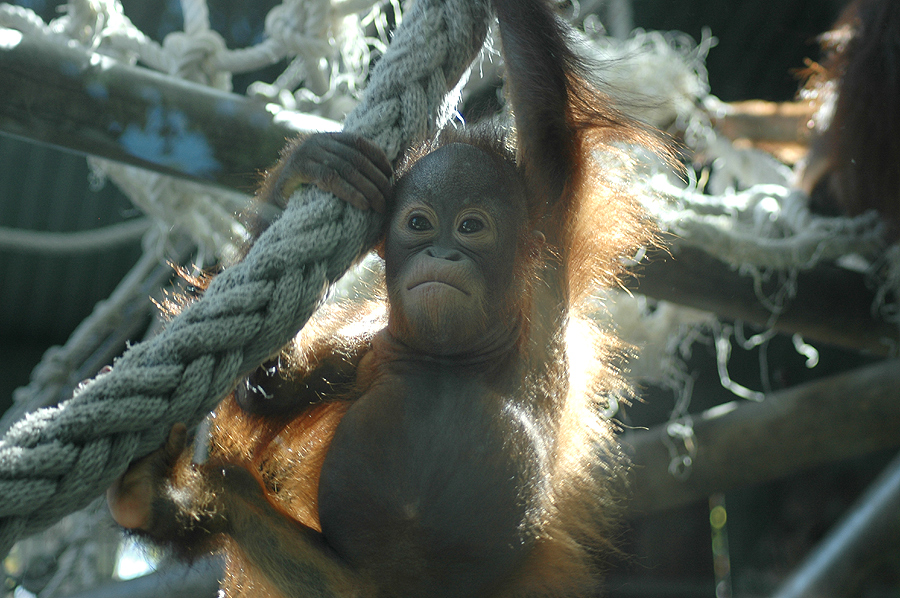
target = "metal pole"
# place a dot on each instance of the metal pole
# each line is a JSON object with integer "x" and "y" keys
{"x": 870, "y": 524}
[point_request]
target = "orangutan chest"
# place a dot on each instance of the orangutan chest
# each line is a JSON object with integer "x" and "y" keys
{"x": 428, "y": 470}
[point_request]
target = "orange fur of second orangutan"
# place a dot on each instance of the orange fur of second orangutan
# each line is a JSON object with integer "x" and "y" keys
{"x": 854, "y": 162}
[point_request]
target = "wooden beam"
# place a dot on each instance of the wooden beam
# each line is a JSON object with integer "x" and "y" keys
{"x": 833, "y": 305}
{"x": 744, "y": 443}
{"x": 779, "y": 128}
{"x": 757, "y": 120}
{"x": 81, "y": 101}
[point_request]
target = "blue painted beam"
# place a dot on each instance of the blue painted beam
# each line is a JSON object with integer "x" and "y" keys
{"x": 78, "y": 100}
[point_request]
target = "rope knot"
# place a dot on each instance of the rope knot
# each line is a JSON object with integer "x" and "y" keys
{"x": 302, "y": 27}
{"x": 194, "y": 57}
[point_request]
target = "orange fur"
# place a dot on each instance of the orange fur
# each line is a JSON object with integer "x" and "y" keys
{"x": 854, "y": 164}
{"x": 287, "y": 464}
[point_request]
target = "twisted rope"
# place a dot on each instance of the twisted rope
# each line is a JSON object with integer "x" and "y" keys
{"x": 56, "y": 460}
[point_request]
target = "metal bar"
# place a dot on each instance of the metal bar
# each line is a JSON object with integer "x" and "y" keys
{"x": 869, "y": 526}
{"x": 199, "y": 580}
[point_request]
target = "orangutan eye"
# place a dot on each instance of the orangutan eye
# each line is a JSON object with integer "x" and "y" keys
{"x": 419, "y": 223}
{"x": 471, "y": 225}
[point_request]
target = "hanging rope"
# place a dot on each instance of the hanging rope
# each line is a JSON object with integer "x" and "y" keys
{"x": 50, "y": 243}
{"x": 56, "y": 460}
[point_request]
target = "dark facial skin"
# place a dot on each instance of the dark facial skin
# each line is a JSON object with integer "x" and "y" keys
{"x": 450, "y": 251}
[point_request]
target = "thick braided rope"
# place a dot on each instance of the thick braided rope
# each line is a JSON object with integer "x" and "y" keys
{"x": 56, "y": 460}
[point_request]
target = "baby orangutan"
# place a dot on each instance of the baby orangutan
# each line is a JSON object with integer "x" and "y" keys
{"x": 455, "y": 450}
